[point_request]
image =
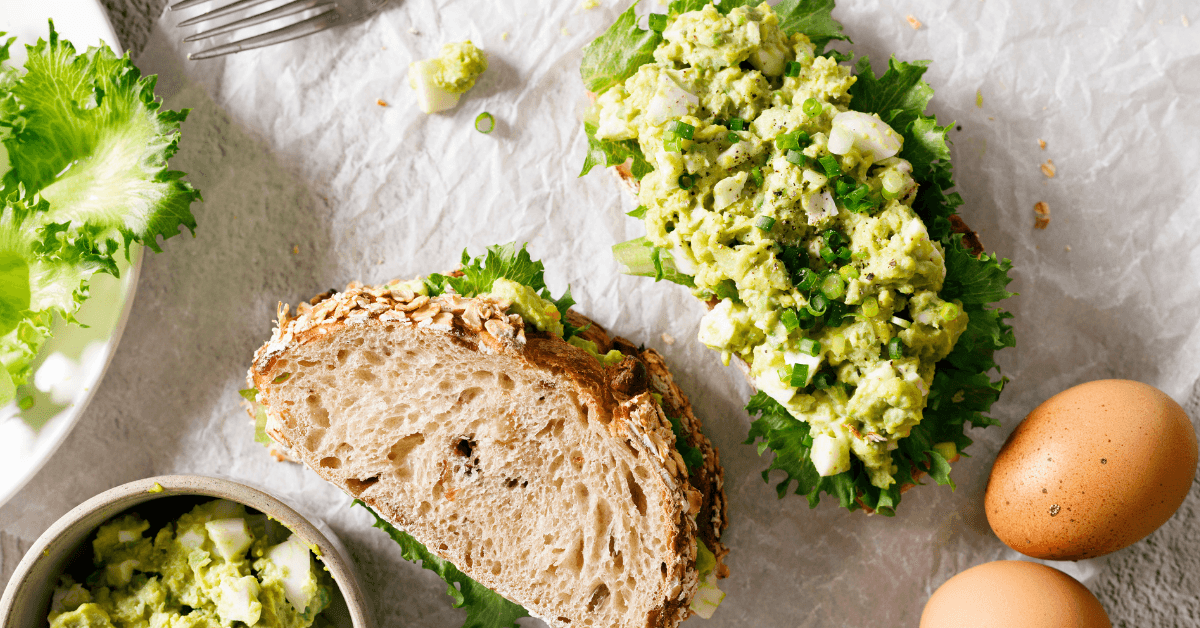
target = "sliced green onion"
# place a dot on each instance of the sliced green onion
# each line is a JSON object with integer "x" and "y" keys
{"x": 638, "y": 212}
{"x": 812, "y": 107}
{"x": 900, "y": 322}
{"x": 727, "y": 290}
{"x": 793, "y": 69}
{"x": 807, "y": 320}
{"x": 832, "y": 237}
{"x": 658, "y": 22}
{"x": 828, "y": 254}
{"x": 717, "y": 39}
{"x": 893, "y": 182}
{"x": 799, "y": 376}
{"x": 842, "y": 187}
{"x": 808, "y": 346}
{"x": 737, "y": 124}
{"x": 765, "y": 223}
{"x": 672, "y": 146}
{"x": 789, "y": 319}
{"x": 830, "y": 164}
{"x": 733, "y": 138}
{"x": 859, "y": 193}
{"x": 801, "y": 137}
{"x": 26, "y": 402}
{"x": 833, "y": 286}
{"x": 485, "y": 122}
{"x": 818, "y": 304}
{"x": 806, "y": 279}
{"x": 949, "y": 312}
{"x": 870, "y": 307}
{"x": 821, "y": 381}
{"x": 895, "y": 348}
{"x": 835, "y": 313}
{"x": 681, "y": 129}
{"x": 796, "y": 157}
{"x": 843, "y": 253}
{"x": 848, "y": 272}
{"x": 786, "y": 141}
{"x": 686, "y": 181}
{"x": 756, "y": 175}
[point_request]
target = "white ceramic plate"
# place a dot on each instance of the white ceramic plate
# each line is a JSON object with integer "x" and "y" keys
{"x": 73, "y": 361}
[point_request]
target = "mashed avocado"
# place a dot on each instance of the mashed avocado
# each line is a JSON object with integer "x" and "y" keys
{"x": 543, "y": 314}
{"x": 793, "y": 215}
{"x": 440, "y": 81}
{"x": 212, "y": 567}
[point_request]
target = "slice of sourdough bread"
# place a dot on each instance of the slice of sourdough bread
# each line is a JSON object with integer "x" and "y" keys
{"x": 518, "y": 457}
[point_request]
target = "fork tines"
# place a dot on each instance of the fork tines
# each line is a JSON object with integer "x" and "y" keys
{"x": 327, "y": 18}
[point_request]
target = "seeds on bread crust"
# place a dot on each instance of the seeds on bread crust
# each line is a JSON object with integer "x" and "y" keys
{"x": 486, "y": 326}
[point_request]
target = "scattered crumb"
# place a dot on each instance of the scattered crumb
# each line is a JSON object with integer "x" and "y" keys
{"x": 1067, "y": 248}
{"x": 668, "y": 338}
{"x": 588, "y": 5}
{"x": 295, "y": 249}
{"x": 504, "y": 36}
{"x": 1183, "y": 18}
{"x": 991, "y": 118}
{"x": 383, "y": 47}
{"x": 1041, "y": 143}
{"x": 279, "y": 456}
{"x": 1048, "y": 168}
{"x": 1161, "y": 22}
{"x": 413, "y": 30}
{"x": 979, "y": 98}
{"x": 913, "y": 22}
{"x": 565, "y": 32}
{"x": 1043, "y": 215}
{"x": 381, "y": 102}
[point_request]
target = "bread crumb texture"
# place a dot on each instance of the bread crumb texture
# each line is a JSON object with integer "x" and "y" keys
{"x": 516, "y": 456}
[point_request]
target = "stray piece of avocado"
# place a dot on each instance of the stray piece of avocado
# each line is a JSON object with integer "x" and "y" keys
{"x": 440, "y": 81}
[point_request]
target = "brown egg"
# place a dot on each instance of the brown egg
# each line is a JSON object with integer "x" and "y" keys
{"x": 1093, "y": 469}
{"x": 1013, "y": 594}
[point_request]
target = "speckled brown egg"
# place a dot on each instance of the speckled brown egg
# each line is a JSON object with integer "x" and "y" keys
{"x": 1093, "y": 469}
{"x": 1013, "y": 594}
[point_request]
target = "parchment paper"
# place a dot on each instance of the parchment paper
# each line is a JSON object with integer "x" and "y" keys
{"x": 310, "y": 182}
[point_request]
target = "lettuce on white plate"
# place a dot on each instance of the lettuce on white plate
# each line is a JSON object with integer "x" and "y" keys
{"x": 84, "y": 146}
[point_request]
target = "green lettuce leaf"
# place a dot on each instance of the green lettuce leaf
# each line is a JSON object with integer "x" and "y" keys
{"x": 485, "y": 608}
{"x": 814, "y": 18}
{"x": 615, "y": 55}
{"x": 84, "y": 146}
{"x": 605, "y": 153}
{"x": 509, "y": 262}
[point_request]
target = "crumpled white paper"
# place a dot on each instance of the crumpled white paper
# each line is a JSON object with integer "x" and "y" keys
{"x": 317, "y": 169}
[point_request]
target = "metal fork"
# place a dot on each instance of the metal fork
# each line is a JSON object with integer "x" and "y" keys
{"x": 333, "y": 13}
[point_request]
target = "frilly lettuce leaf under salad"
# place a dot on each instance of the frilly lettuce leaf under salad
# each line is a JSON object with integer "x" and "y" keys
{"x": 84, "y": 146}
{"x": 812, "y": 207}
{"x": 485, "y": 608}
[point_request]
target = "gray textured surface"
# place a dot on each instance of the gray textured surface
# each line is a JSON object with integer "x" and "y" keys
{"x": 169, "y": 403}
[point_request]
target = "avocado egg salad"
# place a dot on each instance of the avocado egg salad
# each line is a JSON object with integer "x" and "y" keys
{"x": 809, "y": 205}
{"x": 84, "y": 146}
{"x": 214, "y": 566}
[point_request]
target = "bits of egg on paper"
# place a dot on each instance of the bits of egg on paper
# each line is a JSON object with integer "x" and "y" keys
{"x": 1013, "y": 594}
{"x": 1091, "y": 470}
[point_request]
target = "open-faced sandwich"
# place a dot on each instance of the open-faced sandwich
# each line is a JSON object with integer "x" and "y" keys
{"x": 507, "y": 442}
{"x": 809, "y": 206}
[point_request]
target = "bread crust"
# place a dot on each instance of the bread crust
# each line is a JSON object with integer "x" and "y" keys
{"x": 629, "y": 412}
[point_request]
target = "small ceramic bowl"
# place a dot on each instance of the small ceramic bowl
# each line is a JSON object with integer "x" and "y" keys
{"x": 26, "y": 601}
